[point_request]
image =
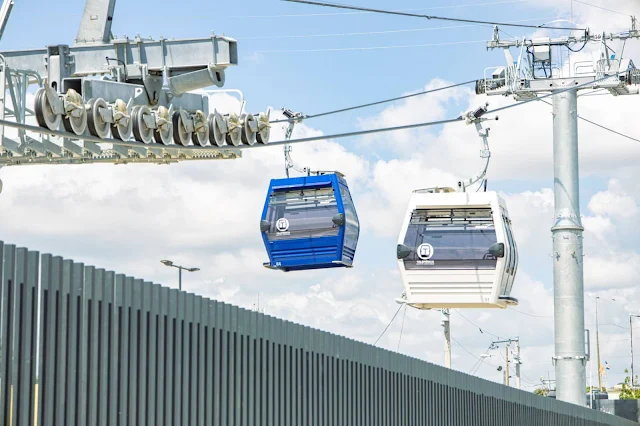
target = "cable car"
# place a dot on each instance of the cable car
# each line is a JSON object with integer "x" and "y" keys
{"x": 457, "y": 250}
{"x": 309, "y": 222}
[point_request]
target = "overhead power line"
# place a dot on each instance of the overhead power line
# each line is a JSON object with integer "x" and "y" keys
{"x": 388, "y": 325}
{"x": 336, "y": 111}
{"x": 429, "y": 17}
{"x": 454, "y": 6}
{"x": 475, "y": 325}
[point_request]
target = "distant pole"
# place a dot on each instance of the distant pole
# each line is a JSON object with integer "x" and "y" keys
{"x": 447, "y": 337}
{"x": 506, "y": 370}
{"x": 518, "y": 363}
{"x": 633, "y": 377}
{"x": 631, "y": 332}
{"x": 567, "y": 231}
{"x": 598, "y": 349}
{"x": 180, "y": 279}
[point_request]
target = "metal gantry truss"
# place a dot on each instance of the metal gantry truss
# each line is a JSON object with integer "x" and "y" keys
{"x": 119, "y": 100}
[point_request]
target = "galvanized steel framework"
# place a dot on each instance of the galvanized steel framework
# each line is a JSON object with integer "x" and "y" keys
{"x": 114, "y": 350}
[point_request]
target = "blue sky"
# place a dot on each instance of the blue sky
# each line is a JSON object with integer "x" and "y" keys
{"x": 108, "y": 215}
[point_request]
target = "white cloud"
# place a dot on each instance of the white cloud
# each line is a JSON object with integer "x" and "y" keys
{"x": 614, "y": 202}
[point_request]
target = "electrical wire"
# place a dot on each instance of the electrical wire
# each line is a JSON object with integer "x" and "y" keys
{"x": 577, "y": 50}
{"x": 481, "y": 360}
{"x": 300, "y": 15}
{"x": 336, "y": 111}
{"x": 602, "y": 8}
{"x": 402, "y": 327}
{"x": 475, "y": 325}
{"x": 429, "y": 17}
{"x": 388, "y": 325}
{"x": 364, "y": 48}
{"x": 465, "y": 349}
{"x": 531, "y": 315}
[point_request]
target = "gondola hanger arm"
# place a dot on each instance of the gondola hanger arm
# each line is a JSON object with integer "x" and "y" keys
{"x": 293, "y": 118}
{"x": 476, "y": 117}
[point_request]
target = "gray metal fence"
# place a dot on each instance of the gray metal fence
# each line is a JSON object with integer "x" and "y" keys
{"x": 114, "y": 350}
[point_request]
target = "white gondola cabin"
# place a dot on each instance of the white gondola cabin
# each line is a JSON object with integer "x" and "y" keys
{"x": 456, "y": 250}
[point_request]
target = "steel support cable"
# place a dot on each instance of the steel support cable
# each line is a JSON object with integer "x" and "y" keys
{"x": 337, "y": 111}
{"x": 388, "y": 325}
{"x": 382, "y": 32}
{"x": 352, "y": 49}
{"x": 601, "y": 126}
{"x": 429, "y": 17}
{"x": 454, "y": 6}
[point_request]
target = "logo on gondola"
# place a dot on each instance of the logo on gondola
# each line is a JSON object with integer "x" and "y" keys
{"x": 282, "y": 225}
{"x": 425, "y": 251}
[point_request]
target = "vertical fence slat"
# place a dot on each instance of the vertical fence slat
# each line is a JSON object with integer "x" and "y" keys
{"x": 106, "y": 343}
{"x": 161, "y": 384}
{"x": 91, "y": 340}
{"x": 153, "y": 355}
{"x": 124, "y": 286}
{"x": 143, "y": 353}
{"x": 5, "y": 278}
{"x": 47, "y": 323}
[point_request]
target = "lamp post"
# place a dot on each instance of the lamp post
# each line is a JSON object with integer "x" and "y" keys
{"x": 180, "y": 268}
{"x": 633, "y": 378}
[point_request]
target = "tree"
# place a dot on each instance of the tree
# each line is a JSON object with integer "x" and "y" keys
{"x": 628, "y": 391}
{"x": 541, "y": 391}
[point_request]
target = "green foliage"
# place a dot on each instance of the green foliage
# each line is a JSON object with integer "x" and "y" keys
{"x": 628, "y": 392}
{"x": 541, "y": 391}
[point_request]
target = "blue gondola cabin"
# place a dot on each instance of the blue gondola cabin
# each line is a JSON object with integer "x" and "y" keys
{"x": 309, "y": 222}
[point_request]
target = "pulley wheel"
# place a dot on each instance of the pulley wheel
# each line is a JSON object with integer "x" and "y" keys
{"x": 248, "y": 134}
{"x": 164, "y": 133}
{"x": 234, "y": 136}
{"x": 141, "y": 132}
{"x": 216, "y": 136}
{"x": 264, "y": 128}
{"x": 200, "y": 137}
{"x": 44, "y": 114}
{"x": 180, "y": 135}
{"x": 76, "y": 125}
{"x": 122, "y": 131}
{"x": 97, "y": 126}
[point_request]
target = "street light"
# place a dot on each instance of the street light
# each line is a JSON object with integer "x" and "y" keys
{"x": 180, "y": 268}
{"x": 631, "y": 331}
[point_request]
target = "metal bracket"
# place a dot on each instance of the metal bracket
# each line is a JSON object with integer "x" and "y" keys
{"x": 582, "y": 358}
